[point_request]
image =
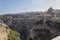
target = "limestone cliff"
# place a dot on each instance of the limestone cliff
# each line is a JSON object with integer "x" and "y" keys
{"x": 4, "y": 30}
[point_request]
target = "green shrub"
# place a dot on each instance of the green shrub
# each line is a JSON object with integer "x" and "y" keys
{"x": 57, "y": 21}
{"x": 13, "y": 35}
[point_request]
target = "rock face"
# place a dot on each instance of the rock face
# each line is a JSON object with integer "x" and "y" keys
{"x": 3, "y": 31}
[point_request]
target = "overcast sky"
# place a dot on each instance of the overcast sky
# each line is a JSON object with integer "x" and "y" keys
{"x": 17, "y": 6}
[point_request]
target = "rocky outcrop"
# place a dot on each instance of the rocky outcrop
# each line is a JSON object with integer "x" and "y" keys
{"x": 4, "y": 30}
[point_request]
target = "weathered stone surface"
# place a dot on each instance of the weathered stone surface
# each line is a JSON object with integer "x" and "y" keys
{"x": 3, "y": 31}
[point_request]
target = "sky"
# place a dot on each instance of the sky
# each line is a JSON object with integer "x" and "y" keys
{"x": 17, "y": 6}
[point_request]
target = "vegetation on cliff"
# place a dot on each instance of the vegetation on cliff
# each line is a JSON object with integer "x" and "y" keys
{"x": 13, "y": 35}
